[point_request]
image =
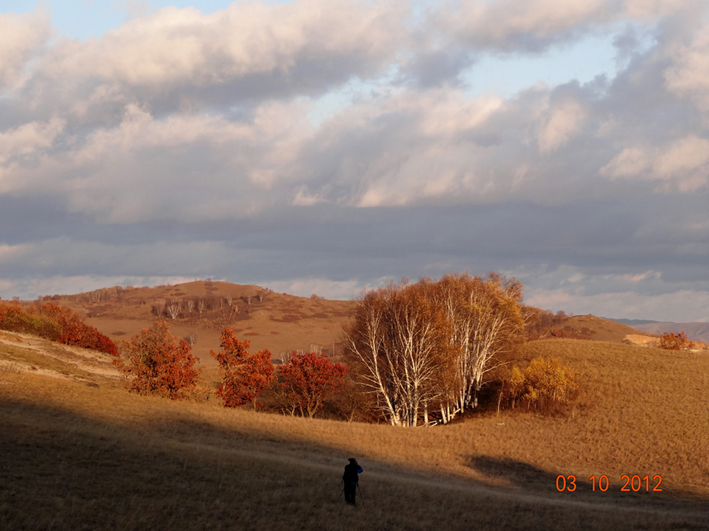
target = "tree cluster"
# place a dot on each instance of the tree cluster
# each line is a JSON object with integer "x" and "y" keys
{"x": 426, "y": 347}
{"x": 55, "y": 323}
{"x": 540, "y": 324}
{"x": 99, "y": 295}
{"x": 302, "y": 383}
{"x": 223, "y": 308}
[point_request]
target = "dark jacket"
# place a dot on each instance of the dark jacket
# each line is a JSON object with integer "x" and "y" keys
{"x": 352, "y": 472}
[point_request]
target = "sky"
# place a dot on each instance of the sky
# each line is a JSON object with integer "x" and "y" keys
{"x": 330, "y": 146}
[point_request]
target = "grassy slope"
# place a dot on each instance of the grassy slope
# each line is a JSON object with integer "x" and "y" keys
{"x": 83, "y": 453}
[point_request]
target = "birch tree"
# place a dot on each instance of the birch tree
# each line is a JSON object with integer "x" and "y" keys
{"x": 485, "y": 322}
{"x": 173, "y": 310}
{"x": 399, "y": 341}
{"x": 432, "y": 343}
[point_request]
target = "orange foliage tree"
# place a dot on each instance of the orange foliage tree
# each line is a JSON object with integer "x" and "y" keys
{"x": 244, "y": 375}
{"x": 308, "y": 380}
{"x": 671, "y": 341}
{"x": 158, "y": 363}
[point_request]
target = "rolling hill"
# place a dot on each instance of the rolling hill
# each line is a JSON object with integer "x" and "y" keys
{"x": 275, "y": 321}
{"x": 269, "y": 320}
{"x": 598, "y": 329}
{"x": 79, "y": 452}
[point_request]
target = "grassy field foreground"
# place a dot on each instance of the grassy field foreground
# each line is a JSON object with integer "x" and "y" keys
{"x": 79, "y": 452}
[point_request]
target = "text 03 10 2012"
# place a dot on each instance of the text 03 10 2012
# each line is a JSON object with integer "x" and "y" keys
{"x": 628, "y": 483}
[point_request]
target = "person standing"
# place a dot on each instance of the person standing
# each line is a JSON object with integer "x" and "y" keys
{"x": 351, "y": 479}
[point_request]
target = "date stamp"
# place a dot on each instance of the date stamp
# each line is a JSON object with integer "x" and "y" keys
{"x": 630, "y": 483}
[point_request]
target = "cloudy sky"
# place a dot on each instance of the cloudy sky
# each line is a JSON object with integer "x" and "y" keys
{"x": 321, "y": 146}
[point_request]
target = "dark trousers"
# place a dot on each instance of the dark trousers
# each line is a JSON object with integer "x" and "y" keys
{"x": 350, "y": 493}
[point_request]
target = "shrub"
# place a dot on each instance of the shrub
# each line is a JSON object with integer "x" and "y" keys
{"x": 14, "y": 319}
{"x": 244, "y": 375}
{"x": 307, "y": 380}
{"x": 158, "y": 363}
{"x": 671, "y": 341}
{"x": 545, "y": 385}
{"x": 55, "y": 323}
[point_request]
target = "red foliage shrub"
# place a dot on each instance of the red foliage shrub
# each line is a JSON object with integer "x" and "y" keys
{"x": 158, "y": 363}
{"x": 55, "y": 323}
{"x": 308, "y": 380}
{"x": 244, "y": 375}
{"x": 671, "y": 341}
{"x": 75, "y": 332}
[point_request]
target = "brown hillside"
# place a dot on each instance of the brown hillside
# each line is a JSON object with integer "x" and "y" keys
{"x": 598, "y": 329}
{"x": 274, "y": 321}
{"x": 79, "y": 452}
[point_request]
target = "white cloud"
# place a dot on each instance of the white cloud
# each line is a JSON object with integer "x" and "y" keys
{"x": 21, "y": 39}
{"x": 562, "y": 122}
{"x": 532, "y": 25}
{"x": 681, "y": 165}
{"x": 688, "y": 76}
{"x": 628, "y": 163}
{"x": 190, "y": 166}
{"x": 241, "y": 52}
{"x": 30, "y": 137}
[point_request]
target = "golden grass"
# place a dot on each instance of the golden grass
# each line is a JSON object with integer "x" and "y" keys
{"x": 98, "y": 457}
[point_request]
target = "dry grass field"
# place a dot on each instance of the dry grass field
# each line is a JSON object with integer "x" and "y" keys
{"x": 79, "y": 452}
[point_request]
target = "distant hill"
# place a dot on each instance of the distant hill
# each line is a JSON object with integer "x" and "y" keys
{"x": 202, "y": 309}
{"x": 597, "y": 329}
{"x": 279, "y": 322}
{"x": 631, "y": 322}
{"x": 694, "y": 331}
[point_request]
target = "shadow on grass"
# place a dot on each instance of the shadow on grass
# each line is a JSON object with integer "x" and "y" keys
{"x": 61, "y": 470}
{"x": 536, "y": 481}
{"x": 517, "y": 473}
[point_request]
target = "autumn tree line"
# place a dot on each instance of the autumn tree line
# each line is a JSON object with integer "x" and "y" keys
{"x": 155, "y": 362}
{"x": 417, "y": 354}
